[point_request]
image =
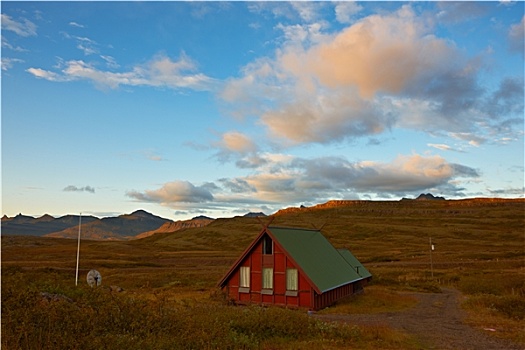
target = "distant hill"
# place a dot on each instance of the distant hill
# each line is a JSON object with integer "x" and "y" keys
{"x": 112, "y": 228}
{"x": 198, "y": 221}
{"x": 254, "y": 215}
{"x": 115, "y": 228}
{"x": 28, "y": 225}
{"x": 425, "y": 197}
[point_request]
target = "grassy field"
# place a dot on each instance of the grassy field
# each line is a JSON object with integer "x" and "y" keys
{"x": 170, "y": 299}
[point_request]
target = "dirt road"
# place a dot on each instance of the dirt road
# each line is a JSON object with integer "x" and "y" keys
{"x": 437, "y": 321}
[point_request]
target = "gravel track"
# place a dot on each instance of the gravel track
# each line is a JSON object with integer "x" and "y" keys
{"x": 437, "y": 321}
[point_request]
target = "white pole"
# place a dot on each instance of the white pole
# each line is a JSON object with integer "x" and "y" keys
{"x": 78, "y": 247}
{"x": 431, "y": 267}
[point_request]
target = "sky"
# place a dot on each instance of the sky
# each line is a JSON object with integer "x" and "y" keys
{"x": 223, "y": 108}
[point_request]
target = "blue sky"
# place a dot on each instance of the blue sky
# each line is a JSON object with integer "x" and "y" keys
{"x": 219, "y": 108}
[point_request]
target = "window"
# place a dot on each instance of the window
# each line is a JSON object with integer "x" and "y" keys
{"x": 267, "y": 245}
{"x": 244, "y": 277}
{"x": 292, "y": 281}
{"x": 267, "y": 278}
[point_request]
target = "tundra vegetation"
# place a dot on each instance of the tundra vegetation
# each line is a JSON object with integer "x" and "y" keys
{"x": 169, "y": 299}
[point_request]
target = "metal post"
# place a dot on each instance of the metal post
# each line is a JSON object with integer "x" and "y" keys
{"x": 78, "y": 246}
{"x": 431, "y": 265}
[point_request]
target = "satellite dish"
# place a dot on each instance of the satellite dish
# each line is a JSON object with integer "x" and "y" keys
{"x": 94, "y": 278}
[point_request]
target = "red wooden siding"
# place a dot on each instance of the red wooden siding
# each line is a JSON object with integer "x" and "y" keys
{"x": 303, "y": 297}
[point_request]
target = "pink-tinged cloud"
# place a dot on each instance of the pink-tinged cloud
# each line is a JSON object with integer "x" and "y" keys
{"x": 237, "y": 142}
{"x": 377, "y": 54}
{"x": 382, "y": 72}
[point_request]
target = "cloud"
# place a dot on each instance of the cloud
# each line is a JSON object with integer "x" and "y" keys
{"x": 473, "y": 140}
{"x": 173, "y": 193}
{"x": 161, "y": 71}
{"x": 507, "y": 99}
{"x": 441, "y": 147}
{"x": 296, "y": 34}
{"x": 88, "y": 46}
{"x": 72, "y": 188}
{"x": 325, "y": 118}
{"x": 404, "y": 174}
{"x": 24, "y": 27}
{"x": 75, "y": 24}
{"x": 308, "y": 11}
{"x": 345, "y": 10}
{"x": 377, "y": 54}
{"x": 7, "y": 63}
{"x": 237, "y": 142}
{"x": 516, "y": 192}
{"x": 381, "y": 72}
{"x": 7, "y": 45}
{"x": 290, "y": 180}
{"x": 237, "y": 185}
{"x": 283, "y": 180}
{"x": 461, "y": 11}
{"x": 110, "y": 61}
{"x": 384, "y": 71}
{"x": 516, "y": 37}
{"x": 304, "y": 11}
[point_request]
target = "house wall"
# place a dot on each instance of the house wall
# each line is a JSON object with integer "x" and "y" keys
{"x": 256, "y": 260}
{"x": 328, "y": 298}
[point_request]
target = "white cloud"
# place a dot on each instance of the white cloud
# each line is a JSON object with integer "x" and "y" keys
{"x": 24, "y": 27}
{"x": 308, "y": 11}
{"x": 75, "y": 24}
{"x": 304, "y": 11}
{"x": 440, "y": 146}
{"x": 110, "y": 61}
{"x": 7, "y": 45}
{"x": 43, "y": 74}
{"x": 344, "y": 11}
{"x": 161, "y": 71}
{"x": 88, "y": 46}
{"x": 7, "y": 63}
{"x": 302, "y": 34}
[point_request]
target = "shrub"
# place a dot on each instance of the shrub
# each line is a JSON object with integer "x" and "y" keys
{"x": 512, "y": 306}
{"x": 85, "y": 318}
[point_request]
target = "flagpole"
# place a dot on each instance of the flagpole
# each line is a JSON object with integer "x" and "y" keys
{"x": 78, "y": 247}
{"x": 431, "y": 267}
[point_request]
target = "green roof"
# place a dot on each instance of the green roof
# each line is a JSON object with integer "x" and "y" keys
{"x": 352, "y": 260}
{"x": 317, "y": 258}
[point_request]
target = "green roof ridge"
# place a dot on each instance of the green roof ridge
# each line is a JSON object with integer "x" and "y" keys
{"x": 352, "y": 260}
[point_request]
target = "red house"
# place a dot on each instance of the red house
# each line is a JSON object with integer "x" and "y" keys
{"x": 293, "y": 267}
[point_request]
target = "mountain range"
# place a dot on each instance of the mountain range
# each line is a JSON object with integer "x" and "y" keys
{"x": 136, "y": 225}
{"x": 122, "y": 227}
